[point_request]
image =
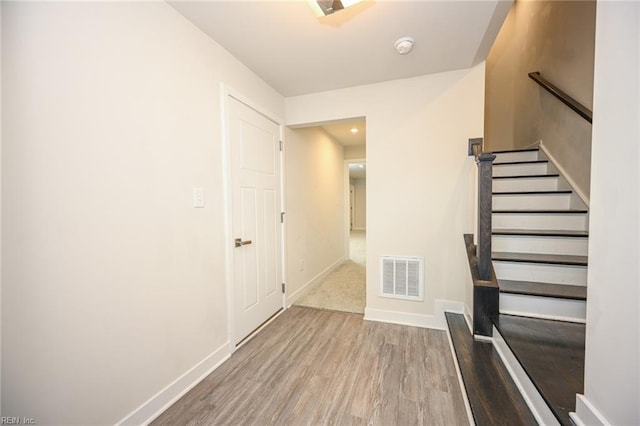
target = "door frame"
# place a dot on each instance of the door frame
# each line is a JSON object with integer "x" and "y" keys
{"x": 227, "y": 92}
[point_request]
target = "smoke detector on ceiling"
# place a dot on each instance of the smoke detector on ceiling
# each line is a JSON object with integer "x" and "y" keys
{"x": 404, "y": 45}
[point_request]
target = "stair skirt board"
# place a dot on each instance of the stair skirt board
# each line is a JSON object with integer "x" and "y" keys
{"x": 527, "y": 220}
{"x": 534, "y": 400}
{"x": 510, "y": 156}
{"x": 557, "y": 201}
{"x": 540, "y": 272}
{"x": 543, "y": 307}
{"x": 540, "y": 244}
{"x": 526, "y": 184}
{"x": 519, "y": 169}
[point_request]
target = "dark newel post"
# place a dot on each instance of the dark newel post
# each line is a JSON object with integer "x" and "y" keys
{"x": 485, "y": 176}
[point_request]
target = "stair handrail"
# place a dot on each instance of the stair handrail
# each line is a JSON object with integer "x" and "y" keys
{"x": 582, "y": 110}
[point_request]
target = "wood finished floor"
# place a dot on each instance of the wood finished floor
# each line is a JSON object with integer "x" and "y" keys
{"x": 311, "y": 367}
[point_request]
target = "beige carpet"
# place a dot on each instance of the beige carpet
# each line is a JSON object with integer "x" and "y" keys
{"x": 344, "y": 288}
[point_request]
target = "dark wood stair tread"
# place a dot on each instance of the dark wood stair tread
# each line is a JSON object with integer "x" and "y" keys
{"x": 529, "y": 288}
{"x": 555, "y": 259}
{"x": 563, "y": 192}
{"x": 552, "y": 355}
{"x": 552, "y": 175}
{"x": 541, "y": 233}
{"x": 493, "y": 396}
{"x": 509, "y": 151}
{"x": 554, "y": 211}
{"x": 514, "y": 163}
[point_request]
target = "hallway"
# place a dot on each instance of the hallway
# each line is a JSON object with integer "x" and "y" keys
{"x": 344, "y": 288}
{"x": 315, "y": 367}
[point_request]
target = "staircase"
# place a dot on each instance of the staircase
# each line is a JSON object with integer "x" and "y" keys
{"x": 539, "y": 238}
{"x": 539, "y": 241}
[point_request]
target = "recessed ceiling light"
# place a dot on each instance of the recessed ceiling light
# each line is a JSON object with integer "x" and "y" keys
{"x": 354, "y": 130}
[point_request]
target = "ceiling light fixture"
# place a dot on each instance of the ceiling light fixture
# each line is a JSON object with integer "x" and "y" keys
{"x": 328, "y": 7}
{"x": 404, "y": 45}
{"x": 354, "y": 130}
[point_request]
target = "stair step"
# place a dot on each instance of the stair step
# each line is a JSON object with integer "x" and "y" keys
{"x": 539, "y": 176}
{"x": 540, "y": 211}
{"x": 542, "y": 232}
{"x": 530, "y": 288}
{"x": 516, "y": 155}
{"x": 551, "y": 353}
{"x": 518, "y": 243}
{"x": 531, "y": 201}
{"x": 509, "y": 163}
{"x": 552, "y": 259}
{"x": 552, "y": 192}
{"x": 555, "y": 308}
{"x": 520, "y": 168}
{"x": 547, "y": 219}
{"x": 541, "y": 272}
{"x": 543, "y": 182}
{"x": 492, "y": 394}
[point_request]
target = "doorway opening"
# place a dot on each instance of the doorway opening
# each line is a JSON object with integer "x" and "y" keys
{"x": 336, "y": 152}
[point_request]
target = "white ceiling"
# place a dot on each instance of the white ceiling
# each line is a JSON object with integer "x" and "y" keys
{"x": 297, "y": 53}
{"x": 341, "y": 131}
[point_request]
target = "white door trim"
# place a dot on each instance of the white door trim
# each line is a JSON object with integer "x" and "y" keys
{"x": 227, "y": 92}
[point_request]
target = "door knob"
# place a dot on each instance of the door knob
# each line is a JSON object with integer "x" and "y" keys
{"x": 240, "y": 243}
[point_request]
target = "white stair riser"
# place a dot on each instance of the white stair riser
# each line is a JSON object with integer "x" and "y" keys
{"x": 551, "y": 221}
{"x": 508, "y": 157}
{"x": 525, "y": 184}
{"x": 519, "y": 169}
{"x": 541, "y": 272}
{"x": 540, "y": 244}
{"x": 532, "y": 202}
{"x": 543, "y": 307}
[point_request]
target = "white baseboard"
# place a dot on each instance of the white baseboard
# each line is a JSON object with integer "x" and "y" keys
{"x": 529, "y": 392}
{"x": 564, "y": 174}
{"x": 299, "y": 293}
{"x": 436, "y": 321}
{"x": 586, "y": 414}
{"x": 468, "y": 317}
{"x": 158, "y": 403}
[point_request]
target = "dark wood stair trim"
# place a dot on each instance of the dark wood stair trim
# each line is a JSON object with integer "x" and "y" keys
{"x": 556, "y": 192}
{"x": 509, "y": 151}
{"x": 513, "y": 163}
{"x": 548, "y": 211}
{"x": 493, "y": 396}
{"x": 557, "y": 291}
{"x": 552, "y": 175}
{"x": 541, "y": 233}
{"x": 552, "y": 354}
{"x": 551, "y": 259}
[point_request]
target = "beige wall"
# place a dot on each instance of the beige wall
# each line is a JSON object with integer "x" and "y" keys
{"x": 315, "y": 207}
{"x": 612, "y": 359}
{"x": 113, "y": 285}
{"x": 355, "y": 152}
{"x": 419, "y": 178}
{"x": 557, "y": 39}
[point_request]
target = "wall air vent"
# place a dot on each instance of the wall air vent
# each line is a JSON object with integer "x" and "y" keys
{"x": 402, "y": 277}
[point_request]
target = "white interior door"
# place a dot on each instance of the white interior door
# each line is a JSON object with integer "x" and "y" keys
{"x": 255, "y": 191}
